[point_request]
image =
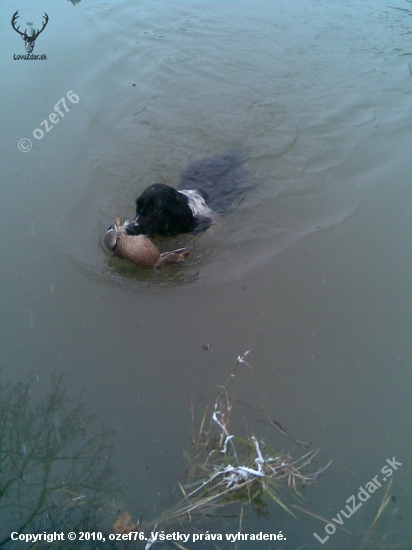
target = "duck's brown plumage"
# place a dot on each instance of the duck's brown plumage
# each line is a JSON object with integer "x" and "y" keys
{"x": 139, "y": 250}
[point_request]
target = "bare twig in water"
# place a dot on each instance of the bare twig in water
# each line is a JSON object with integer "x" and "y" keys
{"x": 278, "y": 427}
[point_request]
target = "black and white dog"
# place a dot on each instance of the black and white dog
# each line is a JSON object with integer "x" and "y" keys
{"x": 207, "y": 186}
{"x": 161, "y": 210}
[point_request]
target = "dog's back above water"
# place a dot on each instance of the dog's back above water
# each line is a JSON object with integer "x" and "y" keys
{"x": 207, "y": 186}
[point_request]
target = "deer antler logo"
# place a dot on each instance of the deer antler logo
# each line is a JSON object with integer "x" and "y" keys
{"x": 29, "y": 40}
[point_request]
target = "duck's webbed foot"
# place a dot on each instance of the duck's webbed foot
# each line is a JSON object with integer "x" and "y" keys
{"x": 176, "y": 257}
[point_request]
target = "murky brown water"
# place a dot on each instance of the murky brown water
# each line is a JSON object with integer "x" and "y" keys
{"x": 311, "y": 271}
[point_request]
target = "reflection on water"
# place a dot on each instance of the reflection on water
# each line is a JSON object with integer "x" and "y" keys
{"x": 56, "y": 474}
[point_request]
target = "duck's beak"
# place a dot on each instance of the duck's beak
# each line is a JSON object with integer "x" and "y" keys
{"x": 110, "y": 237}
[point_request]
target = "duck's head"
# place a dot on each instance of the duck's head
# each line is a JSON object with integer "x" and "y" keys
{"x": 110, "y": 239}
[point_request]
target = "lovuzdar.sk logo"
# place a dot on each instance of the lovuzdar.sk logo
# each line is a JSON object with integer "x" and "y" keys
{"x": 29, "y": 38}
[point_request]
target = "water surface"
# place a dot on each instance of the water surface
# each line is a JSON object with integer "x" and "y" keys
{"x": 310, "y": 270}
